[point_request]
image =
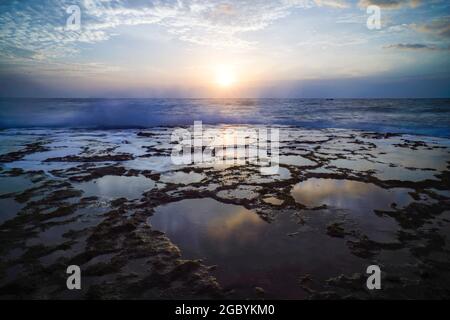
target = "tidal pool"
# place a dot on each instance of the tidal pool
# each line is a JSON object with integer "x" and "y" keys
{"x": 297, "y": 161}
{"x": 9, "y": 209}
{"x": 384, "y": 171}
{"x": 14, "y": 184}
{"x": 357, "y": 200}
{"x": 348, "y": 194}
{"x": 248, "y": 251}
{"x": 112, "y": 187}
{"x": 180, "y": 177}
{"x": 8, "y": 187}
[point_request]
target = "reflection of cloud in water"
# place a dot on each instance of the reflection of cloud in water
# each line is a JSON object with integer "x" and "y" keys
{"x": 182, "y": 177}
{"x": 359, "y": 200}
{"x": 202, "y": 223}
{"x": 248, "y": 251}
{"x": 244, "y": 225}
{"x": 314, "y": 191}
{"x": 347, "y": 194}
{"x": 117, "y": 187}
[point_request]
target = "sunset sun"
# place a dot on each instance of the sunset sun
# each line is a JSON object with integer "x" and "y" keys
{"x": 225, "y": 76}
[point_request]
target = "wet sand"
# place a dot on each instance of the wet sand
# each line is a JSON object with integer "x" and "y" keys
{"x": 140, "y": 227}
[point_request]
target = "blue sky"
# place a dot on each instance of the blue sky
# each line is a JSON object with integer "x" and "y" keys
{"x": 199, "y": 48}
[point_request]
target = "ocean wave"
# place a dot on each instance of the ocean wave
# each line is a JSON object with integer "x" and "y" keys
{"x": 413, "y": 116}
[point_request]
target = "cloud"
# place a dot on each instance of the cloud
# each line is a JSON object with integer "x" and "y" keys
{"x": 414, "y": 46}
{"x": 39, "y": 26}
{"x": 332, "y": 3}
{"x": 390, "y": 4}
{"x": 352, "y": 18}
{"x": 439, "y": 27}
{"x": 398, "y": 28}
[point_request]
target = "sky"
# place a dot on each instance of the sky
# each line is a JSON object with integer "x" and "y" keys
{"x": 220, "y": 49}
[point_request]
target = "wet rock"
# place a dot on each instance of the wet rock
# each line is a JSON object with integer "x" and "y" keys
{"x": 355, "y": 281}
{"x": 336, "y": 230}
{"x": 146, "y": 134}
{"x": 95, "y": 158}
{"x": 29, "y": 149}
{"x": 95, "y": 173}
{"x": 260, "y": 292}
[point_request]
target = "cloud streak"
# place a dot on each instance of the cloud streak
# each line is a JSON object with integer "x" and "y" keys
{"x": 414, "y": 46}
{"x": 390, "y": 4}
{"x": 438, "y": 27}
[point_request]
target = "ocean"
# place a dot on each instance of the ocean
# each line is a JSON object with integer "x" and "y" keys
{"x": 429, "y": 117}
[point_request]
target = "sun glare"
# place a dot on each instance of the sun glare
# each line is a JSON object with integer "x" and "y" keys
{"x": 225, "y": 76}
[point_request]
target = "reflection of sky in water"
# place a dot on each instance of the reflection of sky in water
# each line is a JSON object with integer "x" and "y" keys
{"x": 8, "y": 209}
{"x": 421, "y": 158}
{"x": 4, "y": 148}
{"x": 116, "y": 187}
{"x": 12, "y": 141}
{"x": 14, "y": 184}
{"x": 55, "y": 153}
{"x": 255, "y": 178}
{"x": 347, "y": 194}
{"x": 39, "y": 165}
{"x": 384, "y": 171}
{"x": 182, "y": 177}
{"x": 154, "y": 163}
{"x": 296, "y": 161}
{"x": 357, "y": 200}
{"x": 248, "y": 251}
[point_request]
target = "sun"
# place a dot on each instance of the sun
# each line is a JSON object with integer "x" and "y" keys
{"x": 225, "y": 76}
